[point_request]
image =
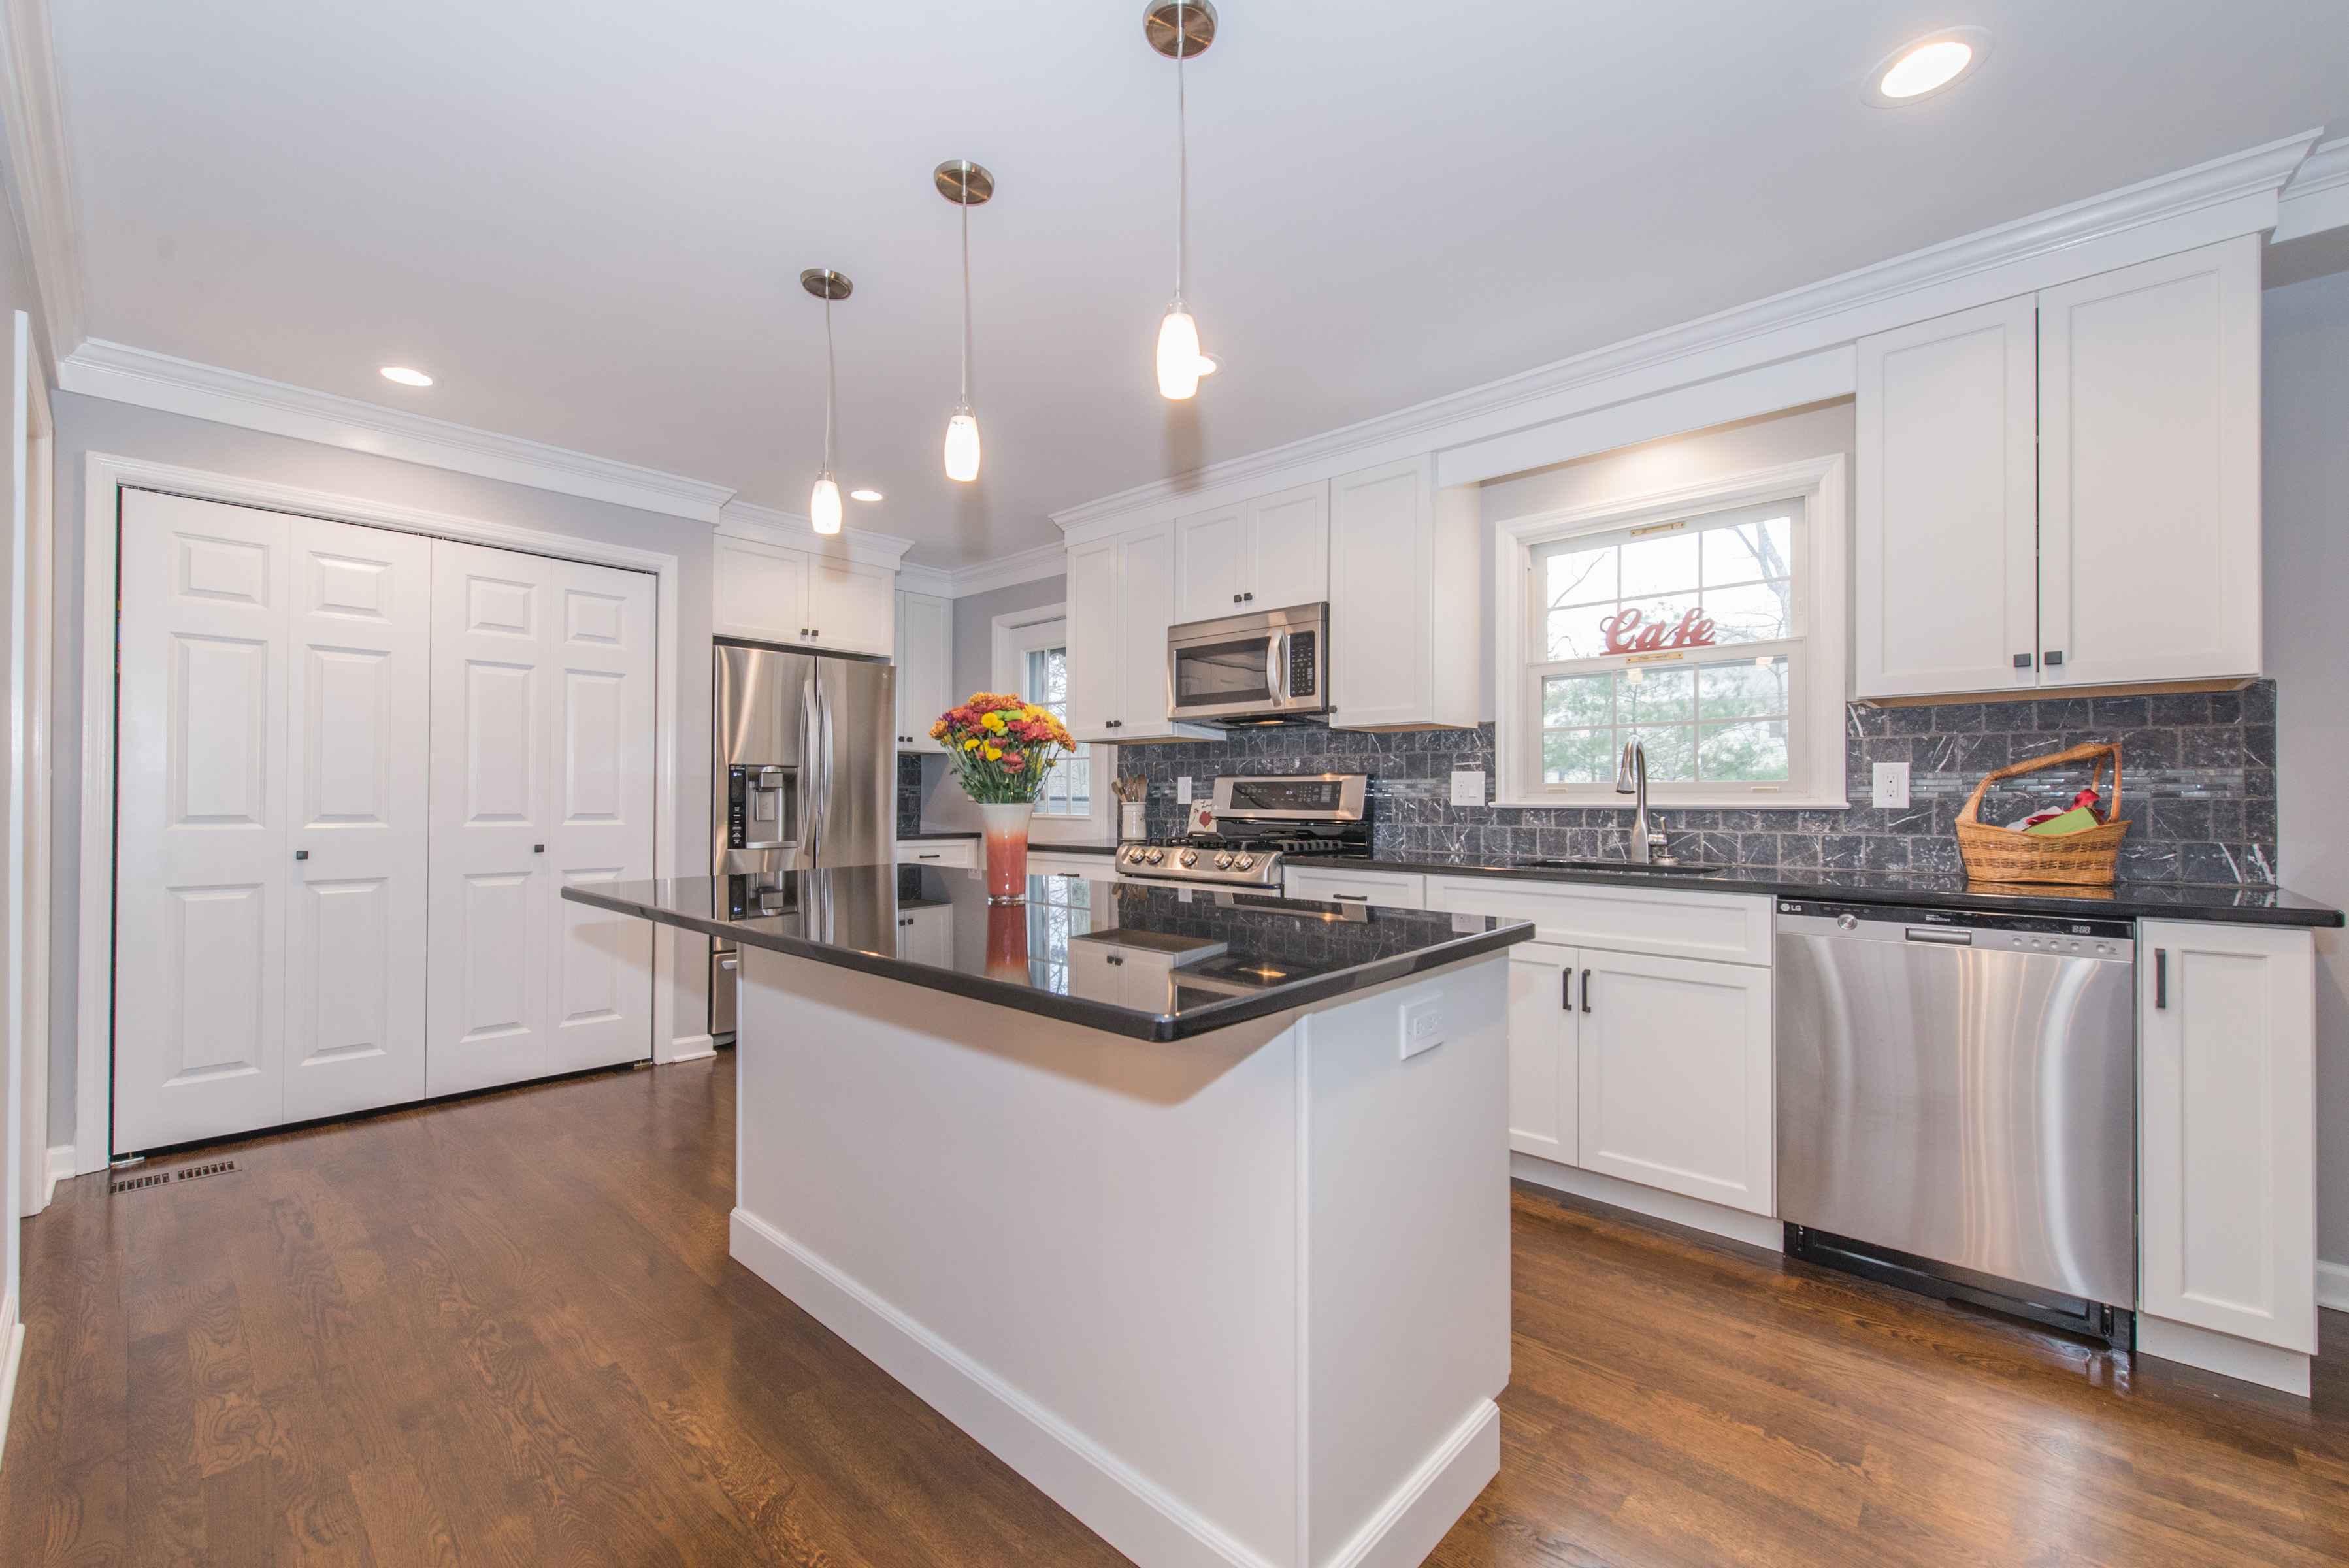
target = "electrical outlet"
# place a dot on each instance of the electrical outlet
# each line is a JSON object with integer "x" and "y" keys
{"x": 1891, "y": 784}
{"x": 1467, "y": 786}
{"x": 1182, "y": 790}
{"x": 1423, "y": 1026}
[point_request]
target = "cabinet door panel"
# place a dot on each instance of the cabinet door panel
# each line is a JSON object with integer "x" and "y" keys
{"x": 1676, "y": 1065}
{"x": 1945, "y": 563}
{"x": 761, "y": 592}
{"x": 1289, "y": 537}
{"x": 850, "y": 605}
{"x": 2149, "y": 470}
{"x": 1212, "y": 571}
{"x": 1146, "y": 608}
{"x": 924, "y": 673}
{"x": 1380, "y": 541}
{"x": 1096, "y": 642}
{"x": 1545, "y": 1082}
{"x": 2226, "y": 1160}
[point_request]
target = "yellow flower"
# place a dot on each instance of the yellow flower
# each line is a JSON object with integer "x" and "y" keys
{"x": 971, "y": 745}
{"x": 993, "y": 753}
{"x": 992, "y": 723}
{"x": 1031, "y": 713}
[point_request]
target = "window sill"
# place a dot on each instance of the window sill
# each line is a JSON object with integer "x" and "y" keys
{"x": 1612, "y": 801}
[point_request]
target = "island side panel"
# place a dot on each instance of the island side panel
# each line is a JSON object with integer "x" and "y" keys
{"x": 1100, "y": 1234}
{"x": 1407, "y": 1261}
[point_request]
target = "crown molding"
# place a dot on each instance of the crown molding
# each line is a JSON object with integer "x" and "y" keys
{"x": 2317, "y": 197}
{"x": 1005, "y": 571}
{"x": 137, "y": 375}
{"x": 793, "y": 530}
{"x": 40, "y": 181}
{"x": 2257, "y": 172}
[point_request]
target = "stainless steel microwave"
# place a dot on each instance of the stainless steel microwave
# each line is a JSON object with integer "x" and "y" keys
{"x": 1267, "y": 666}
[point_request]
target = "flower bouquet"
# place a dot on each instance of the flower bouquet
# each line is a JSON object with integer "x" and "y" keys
{"x": 1002, "y": 749}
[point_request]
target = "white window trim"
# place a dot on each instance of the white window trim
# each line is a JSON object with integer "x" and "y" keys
{"x": 1011, "y": 672}
{"x": 1820, "y": 483}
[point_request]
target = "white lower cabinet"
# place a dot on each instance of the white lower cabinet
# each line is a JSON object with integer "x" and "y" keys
{"x": 1383, "y": 889}
{"x": 938, "y": 852}
{"x": 926, "y": 935}
{"x": 1675, "y": 1064}
{"x": 2227, "y": 1177}
{"x": 1545, "y": 1075}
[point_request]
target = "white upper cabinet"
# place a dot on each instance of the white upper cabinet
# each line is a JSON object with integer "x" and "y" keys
{"x": 2063, "y": 489}
{"x": 1405, "y": 626}
{"x": 1121, "y": 595}
{"x": 1267, "y": 553}
{"x": 1947, "y": 494}
{"x": 925, "y": 658}
{"x": 2227, "y": 1144}
{"x": 772, "y": 594}
{"x": 2149, "y": 470}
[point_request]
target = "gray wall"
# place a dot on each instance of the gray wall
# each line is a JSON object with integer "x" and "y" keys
{"x": 943, "y": 805}
{"x": 2307, "y": 559}
{"x": 87, "y": 424}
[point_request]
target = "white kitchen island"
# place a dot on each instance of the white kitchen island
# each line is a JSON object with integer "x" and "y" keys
{"x": 1191, "y": 1206}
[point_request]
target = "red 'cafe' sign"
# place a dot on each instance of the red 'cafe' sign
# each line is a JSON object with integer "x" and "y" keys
{"x": 1624, "y": 633}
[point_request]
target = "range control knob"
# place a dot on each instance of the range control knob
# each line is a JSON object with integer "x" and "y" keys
{"x": 1156, "y": 856}
{"x": 1190, "y": 857}
{"x": 1243, "y": 862}
{"x": 1224, "y": 861}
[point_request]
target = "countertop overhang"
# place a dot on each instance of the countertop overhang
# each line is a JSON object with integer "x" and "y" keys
{"x": 1263, "y": 953}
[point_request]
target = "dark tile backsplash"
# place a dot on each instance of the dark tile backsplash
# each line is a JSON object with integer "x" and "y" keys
{"x": 2198, "y": 785}
{"x": 909, "y": 793}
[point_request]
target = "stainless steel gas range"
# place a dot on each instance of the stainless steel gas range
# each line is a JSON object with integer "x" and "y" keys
{"x": 1251, "y": 827}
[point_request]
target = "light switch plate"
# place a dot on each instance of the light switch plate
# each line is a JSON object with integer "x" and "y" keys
{"x": 1468, "y": 786}
{"x": 1182, "y": 790}
{"x": 1892, "y": 781}
{"x": 1423, "y": 1026}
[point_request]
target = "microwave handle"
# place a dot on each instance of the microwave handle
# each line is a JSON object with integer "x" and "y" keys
{"x": 1275, "y": 666}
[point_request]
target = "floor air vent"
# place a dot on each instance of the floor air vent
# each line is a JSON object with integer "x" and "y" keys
{"x": 168, "y": 1178}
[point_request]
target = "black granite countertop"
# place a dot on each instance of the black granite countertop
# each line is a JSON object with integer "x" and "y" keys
{"x": 1233, "y": 956}
{"x": 2128, "y": 901}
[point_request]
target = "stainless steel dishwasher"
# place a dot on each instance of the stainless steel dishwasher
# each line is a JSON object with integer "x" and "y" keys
{"x": 1957, "y": 1105}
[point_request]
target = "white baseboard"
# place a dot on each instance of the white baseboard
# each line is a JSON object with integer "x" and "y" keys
{"x": 1736, "y": 1224}
{"x": 61, "y": 1167}
{"x": 688, "y": 1048}
{"x": 2285, "y": 1371}
{"x": 2332, "y": 1286}
{"x": 1124, "y": 1507}
{"x": 12, "y": 1357}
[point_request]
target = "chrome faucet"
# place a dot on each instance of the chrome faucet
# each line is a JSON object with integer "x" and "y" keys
{"x": 1632, "y": 778}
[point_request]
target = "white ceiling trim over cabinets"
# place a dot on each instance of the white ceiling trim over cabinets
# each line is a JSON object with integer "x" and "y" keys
{"x": 792, "y": 531}
{"x": 2219, "y": 200}
{"x": 125, "y": 375}
{"x": 2317, "y": 198}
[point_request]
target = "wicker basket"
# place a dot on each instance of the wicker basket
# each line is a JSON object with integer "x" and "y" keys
{"x": 2090, "y": 858}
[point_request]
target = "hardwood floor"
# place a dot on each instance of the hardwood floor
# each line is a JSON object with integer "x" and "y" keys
{"x": 506, "y": 1331}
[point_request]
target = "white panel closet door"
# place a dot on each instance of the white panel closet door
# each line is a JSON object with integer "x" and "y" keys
{"x": 601, "y": 821}
{"x": 358, "y": 688}
{"x": 203, "y": 854}
{"x": 492, "y": 787}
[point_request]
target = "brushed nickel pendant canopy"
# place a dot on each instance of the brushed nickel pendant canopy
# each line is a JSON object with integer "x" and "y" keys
{"x": 825, "y": 284}
{"x": 1193, "y": 21}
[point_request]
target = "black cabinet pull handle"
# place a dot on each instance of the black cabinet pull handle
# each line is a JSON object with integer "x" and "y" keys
{"x": 1250, "y": 598}
{"x": 2023, "y": 661}
{"x": 1566, "y": 989}
{"x": 1586, "y": 990}
{"x": 2161, "y": 977}
{"x": 538, "y": 848}
{"x": 301, "y": 854}
{"x": 2054, "y": 656}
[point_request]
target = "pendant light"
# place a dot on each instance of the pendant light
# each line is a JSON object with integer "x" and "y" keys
{"x": 1179, "y": 29}
{"x": 967, "y": 185}
{"x": 824, "y": 501}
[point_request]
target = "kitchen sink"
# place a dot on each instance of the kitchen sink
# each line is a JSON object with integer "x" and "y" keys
{"x": 1661, "y": 868}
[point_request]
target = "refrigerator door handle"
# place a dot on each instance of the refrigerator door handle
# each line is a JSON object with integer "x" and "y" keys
{"x": 824, "y": 699}
{"x": 811, "y": 777}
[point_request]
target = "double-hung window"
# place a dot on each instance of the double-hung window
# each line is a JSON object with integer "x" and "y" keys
{"x": 1031, "y": 660}
{"x": 1690, "y": 628}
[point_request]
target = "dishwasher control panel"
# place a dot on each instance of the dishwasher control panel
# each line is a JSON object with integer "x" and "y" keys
{"x": 2057, "y": 936}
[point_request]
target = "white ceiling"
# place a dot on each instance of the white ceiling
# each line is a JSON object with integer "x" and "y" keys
{"x": 588, "y": 219}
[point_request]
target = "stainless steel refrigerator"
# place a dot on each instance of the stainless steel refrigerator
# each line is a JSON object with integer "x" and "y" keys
{"x": 805, "y": 776}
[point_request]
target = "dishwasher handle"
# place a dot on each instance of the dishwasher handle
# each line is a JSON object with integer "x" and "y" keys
{"x": 1941, "y": 935}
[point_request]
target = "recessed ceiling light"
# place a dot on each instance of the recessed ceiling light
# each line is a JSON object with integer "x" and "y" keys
{"x": 1926, "y": 65}
{"x": 405, "y": 377}
{"x": 864, "y": 495}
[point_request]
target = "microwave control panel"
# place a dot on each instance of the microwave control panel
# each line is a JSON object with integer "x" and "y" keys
{"x": 1302, "y": 663}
